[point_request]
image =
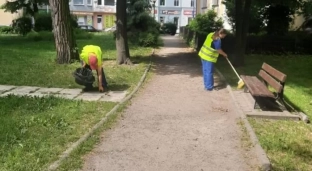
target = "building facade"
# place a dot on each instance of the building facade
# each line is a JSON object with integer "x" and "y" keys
{"x": 100, "y": 14}
{"x": 180, "y": 12}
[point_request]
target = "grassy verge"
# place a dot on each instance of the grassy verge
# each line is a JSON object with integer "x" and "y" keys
{"x": 25, "y": 62}
{"x": 35, "y": 131}
{"x": 288, "y": 144}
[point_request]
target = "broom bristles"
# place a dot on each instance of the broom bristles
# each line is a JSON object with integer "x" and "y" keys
{"x": 240, "y": 84}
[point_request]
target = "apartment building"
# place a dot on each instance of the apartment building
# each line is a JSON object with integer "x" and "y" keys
{"x": 7, "y": 17}
{"x": 100, "y": 14}
{"x": 179, "y": 12}
{"x": 216, "y": 5}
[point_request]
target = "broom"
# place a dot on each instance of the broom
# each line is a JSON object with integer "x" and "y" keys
{"x": 240, "y": 83}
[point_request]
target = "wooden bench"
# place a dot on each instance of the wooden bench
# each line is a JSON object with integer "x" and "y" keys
{"x": 258, "y": 88}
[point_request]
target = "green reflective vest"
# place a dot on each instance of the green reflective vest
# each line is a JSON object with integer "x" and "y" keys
{"x": 206, "y": 52}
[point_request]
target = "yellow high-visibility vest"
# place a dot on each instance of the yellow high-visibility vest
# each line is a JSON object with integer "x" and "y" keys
{"x": 206, "y": 52}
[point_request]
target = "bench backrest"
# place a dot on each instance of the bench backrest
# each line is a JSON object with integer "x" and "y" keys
{"x": 273, "y": 77}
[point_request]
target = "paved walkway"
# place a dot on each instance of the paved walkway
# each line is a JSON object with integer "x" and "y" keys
{"x": 173, "y": 124}
{"x": 73, "y": 94}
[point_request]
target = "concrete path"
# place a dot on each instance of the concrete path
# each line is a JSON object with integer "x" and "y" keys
{"x": 73, "y": 94}
{"x": 173, "y": 124}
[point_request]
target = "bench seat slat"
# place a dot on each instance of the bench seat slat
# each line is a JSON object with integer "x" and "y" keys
{"x": 256, "y": 87}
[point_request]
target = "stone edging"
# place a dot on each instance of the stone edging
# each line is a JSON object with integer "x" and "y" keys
{"x": 265, "y": 164}
{"x": 68, "y": 151}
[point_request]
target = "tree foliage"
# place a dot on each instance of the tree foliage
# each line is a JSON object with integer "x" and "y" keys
{"x": 30, "y": 6}
{"x": 142, "y": 27}
{"x": 256, "y": 23}
{"x": 206, "y": 23}
{"x": 273, "y": 15}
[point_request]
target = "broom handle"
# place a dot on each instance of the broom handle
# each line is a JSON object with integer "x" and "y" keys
{"x": 233, "y": 68}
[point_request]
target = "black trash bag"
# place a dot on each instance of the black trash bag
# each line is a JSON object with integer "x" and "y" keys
{"x": 83, "y": 76}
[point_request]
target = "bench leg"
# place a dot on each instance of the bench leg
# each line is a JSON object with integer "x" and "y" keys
{"x": 246, "y": 89}
{"x": 256, "y": 105}
{"x": 283, "y": 105}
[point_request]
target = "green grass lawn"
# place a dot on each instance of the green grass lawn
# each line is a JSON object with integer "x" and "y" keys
{"x": 287, "y": 143}
{"x": 31, "y": 63}
{"x": 35, "y": 131}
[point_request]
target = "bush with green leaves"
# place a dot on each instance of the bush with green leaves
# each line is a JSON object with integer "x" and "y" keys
{"x": 22, "y": 25}
{"x": 206, "y": 23}
{"x": 48, "y": 35}
{"x": 6, "y": 30}
{"x": 169, "y": 28}
{"x": 141, "y": 27}
{"x": 43, "y": 22}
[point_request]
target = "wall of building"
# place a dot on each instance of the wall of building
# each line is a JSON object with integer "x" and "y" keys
{"x": 180, "y": 13}
{"x": 7, "y": 17}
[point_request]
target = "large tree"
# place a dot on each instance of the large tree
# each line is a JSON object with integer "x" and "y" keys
{"x": 242, "y": 11}
{"x": 123, "y": 55}
{"x": 65, "y": 42}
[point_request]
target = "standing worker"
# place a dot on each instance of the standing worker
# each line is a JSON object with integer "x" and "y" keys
{"x": 91, "y": 57}
{"x": 209, "y": 54}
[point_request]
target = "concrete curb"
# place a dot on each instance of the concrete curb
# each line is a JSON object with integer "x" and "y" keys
{"x": 76, "y": 144}
{"x": 265, "y": 164}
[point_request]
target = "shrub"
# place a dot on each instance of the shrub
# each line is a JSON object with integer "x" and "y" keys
{"x": 82, "y": 34}
{"x": 22, "y": 25}
{"x": 206, "y": 23}
{"x": 142, "y": 29}
{"x": 43, "y": 22}
{"x": 48, "y": 35}
{"x": 169, "y": 28}
{"x": 34, "y": 36}
{"x": 6, "y": 30}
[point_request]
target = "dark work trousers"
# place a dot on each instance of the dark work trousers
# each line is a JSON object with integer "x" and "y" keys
{"x": 104, "y": 82}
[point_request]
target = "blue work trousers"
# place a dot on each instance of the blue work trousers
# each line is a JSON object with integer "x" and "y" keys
{"x": 208, "y": 70}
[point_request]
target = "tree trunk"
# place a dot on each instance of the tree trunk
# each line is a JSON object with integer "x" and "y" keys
{"x": 123, "y": 55}
{"x": 238, "y": 31}
{"x": 242, "y": 25}
{"x": 65, "y": 42}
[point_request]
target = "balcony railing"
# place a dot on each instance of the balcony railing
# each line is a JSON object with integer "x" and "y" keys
{"x": 106, "y": 8}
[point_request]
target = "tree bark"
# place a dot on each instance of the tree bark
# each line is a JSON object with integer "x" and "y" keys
{"x": 123, "y": 54}
{"x": 241, "y": 30}
{"x": 65, "y": 42}
{"x": 238, "y": 31}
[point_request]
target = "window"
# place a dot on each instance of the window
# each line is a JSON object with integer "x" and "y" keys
{"x": 109, "y": 2}
{"x": 192, "y": 3}
{"x": 161, "y": 20}
{"x": 78, "y": 2}
{"x": 99, "y": 2}
{"x": 176, "y": 3}
{"x": 89, "y": 2}
{"x": 162, "y": 2}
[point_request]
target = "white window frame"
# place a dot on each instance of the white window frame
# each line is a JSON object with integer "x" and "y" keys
{"x": 78, "y": 4}
{"x": 176, "y": 3}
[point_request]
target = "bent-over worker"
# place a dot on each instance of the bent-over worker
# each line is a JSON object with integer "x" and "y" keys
{"x": 91, "y": 58}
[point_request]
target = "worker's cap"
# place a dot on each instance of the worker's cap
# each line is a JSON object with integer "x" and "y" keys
{"x": 93, "y": 62}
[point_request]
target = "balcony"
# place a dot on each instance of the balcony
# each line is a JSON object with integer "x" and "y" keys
{"x": 107, "y": 6}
